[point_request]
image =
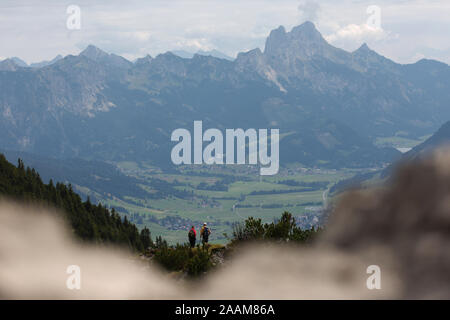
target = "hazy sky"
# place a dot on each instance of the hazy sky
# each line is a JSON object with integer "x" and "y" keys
{"x": 37, "y": 30}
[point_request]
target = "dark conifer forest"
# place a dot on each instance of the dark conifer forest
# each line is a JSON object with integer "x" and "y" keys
{"x": 90, "y": 222}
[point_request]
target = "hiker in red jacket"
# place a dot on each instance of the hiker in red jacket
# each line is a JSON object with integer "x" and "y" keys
{"x": 192, "y": 236}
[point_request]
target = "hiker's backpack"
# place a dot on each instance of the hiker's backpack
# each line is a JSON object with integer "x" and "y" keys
{"x": 191, "y": 234}
{"x": 206, "y": 233}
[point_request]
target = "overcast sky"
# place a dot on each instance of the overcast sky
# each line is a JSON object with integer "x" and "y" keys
{"x": 37, "y": 30}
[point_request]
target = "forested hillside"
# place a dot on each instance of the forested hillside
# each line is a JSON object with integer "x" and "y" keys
{"x": 90, "y": 222}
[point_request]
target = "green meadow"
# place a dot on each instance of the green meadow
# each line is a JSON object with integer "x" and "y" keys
{"x": 240, "y": 193}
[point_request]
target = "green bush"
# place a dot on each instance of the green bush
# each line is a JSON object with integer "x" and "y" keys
{"x": 183, "y": 258}
{"x": 251, "y": 229}
{"x": 200, "y": 262}
{"x": 173, "y": 258}
{"x": 284, "y": 229}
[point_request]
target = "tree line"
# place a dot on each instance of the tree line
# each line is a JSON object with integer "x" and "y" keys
{"x": 90, "y": 222}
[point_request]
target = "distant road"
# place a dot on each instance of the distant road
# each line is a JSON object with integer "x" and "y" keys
{"x": 324, "y": 197}
{"x": 237, "y": 213}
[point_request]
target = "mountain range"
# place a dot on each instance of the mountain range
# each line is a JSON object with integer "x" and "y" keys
{"x": 213, "y": 53}
{"x": 329, "y": 104}
{"x": 11, "y": 64}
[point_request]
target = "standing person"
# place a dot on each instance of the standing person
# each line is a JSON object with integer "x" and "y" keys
{"x": 204, "y": 233}
{"x": 192, "y": 236}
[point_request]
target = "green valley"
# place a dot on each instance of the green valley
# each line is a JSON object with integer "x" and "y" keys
{"x": 223, "y": 197}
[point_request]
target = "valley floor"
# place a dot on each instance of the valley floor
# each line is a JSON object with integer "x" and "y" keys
{"x": 223, "y": 198}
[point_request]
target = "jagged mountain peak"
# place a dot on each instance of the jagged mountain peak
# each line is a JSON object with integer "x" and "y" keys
{"x": 19, "y": 62}
{"x": 364, "y": 58}
{"x": 144, "y": 60}
{"x": 93, "y": 52}
{"x": 363, "y": 48}
{"x": 303, "y": 42}
{"x": 169, "y": 61}
{"x": 307, "y": 29}
{"x": 168, "y": 54}
{"x": 8, "y": 65}
{"x": 250, "y": 59}
{"x": 305, "y": 32}
{"x": 364, "y": 51}
{"x": 280, "y": 31}
{"x": 250, "y": 53}
{"x": 277, "y": 38}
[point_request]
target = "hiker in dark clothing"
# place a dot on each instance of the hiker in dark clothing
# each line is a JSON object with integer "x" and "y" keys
{"x": 192, "y": 236}
{"x": 204, "y": 233}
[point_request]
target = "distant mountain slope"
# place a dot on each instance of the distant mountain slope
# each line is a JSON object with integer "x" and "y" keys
{"x": 90, "y": 222}
{"x": 9, "y": 65}
{"x": 19, "y": 62}
{"x": 190, "y": 55}
{"x": 45, "y": 62}
{"x": 439, "y": 139}
{"x": 99, "y": 177}
{"x": 329, "y": 104}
